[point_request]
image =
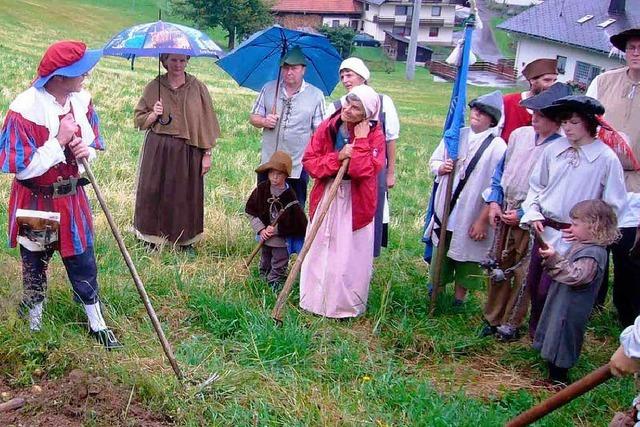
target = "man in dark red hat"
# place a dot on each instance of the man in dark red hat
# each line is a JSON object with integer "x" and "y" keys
{"x": 540, "y": 74}
{"x": 619, "y": 91}
{"x": 48, "y": 128}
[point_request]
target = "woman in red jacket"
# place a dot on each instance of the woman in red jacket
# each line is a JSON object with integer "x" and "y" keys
{"x": 335, "y": 276}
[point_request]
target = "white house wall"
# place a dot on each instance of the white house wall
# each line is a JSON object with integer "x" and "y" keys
{"x": 342, "y": 20}
{"x": 445, "y": 34}
{"x": 518, "y": 2}
{"x": 530, "y": 49}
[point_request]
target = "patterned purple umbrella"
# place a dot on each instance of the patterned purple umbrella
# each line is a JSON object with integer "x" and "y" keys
{"x": 155, "y": 38}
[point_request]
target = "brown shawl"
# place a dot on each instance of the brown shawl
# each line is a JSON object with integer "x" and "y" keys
{"x": 292, "y": 223}
{"x": 191, "y": 109}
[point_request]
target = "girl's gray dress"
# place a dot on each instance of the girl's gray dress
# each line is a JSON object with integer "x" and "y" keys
{"x": 560, "y": 333}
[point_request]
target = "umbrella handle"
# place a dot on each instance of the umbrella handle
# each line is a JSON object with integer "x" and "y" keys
{"x": 165, "y": 123}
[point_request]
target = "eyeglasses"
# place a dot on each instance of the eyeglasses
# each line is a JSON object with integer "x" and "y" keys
{"x": 631, "y": 48}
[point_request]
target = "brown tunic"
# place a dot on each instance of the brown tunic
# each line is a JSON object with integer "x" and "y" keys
{"x": 292, "y": 222}
{"x": 170, "y": 189}
{"x": 622, "y": 109}
{"x": 191, "y": 109}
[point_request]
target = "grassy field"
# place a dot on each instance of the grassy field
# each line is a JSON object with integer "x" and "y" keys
{"x": 504, "y": 41}
{"x": 395, "y": 366}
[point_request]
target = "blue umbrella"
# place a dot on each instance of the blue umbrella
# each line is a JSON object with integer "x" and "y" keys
{"x": 256, "y": 61}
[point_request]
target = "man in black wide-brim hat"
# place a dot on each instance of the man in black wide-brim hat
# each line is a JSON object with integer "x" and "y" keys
{"x": 574, "y": 168}
{"x": 619, "y": 91}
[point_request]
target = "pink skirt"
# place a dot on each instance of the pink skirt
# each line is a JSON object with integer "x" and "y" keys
{"x": 335, "y": 275}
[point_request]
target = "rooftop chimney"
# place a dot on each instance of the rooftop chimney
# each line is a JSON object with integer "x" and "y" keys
{"x": 616, "y": 7}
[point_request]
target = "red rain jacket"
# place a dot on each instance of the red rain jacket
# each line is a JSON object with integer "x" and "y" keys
{"x": 320, "y": 160}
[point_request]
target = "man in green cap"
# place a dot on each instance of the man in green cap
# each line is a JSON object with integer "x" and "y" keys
{"x": 288, "y": 112}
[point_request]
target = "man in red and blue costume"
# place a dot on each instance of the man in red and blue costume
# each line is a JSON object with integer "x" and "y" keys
{"x": 47, "y": 130}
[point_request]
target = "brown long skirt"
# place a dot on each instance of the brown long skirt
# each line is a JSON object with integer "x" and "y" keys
{"x": 170, "y": 192}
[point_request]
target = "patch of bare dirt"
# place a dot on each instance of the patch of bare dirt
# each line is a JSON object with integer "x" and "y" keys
{"x": 76, "y": 400}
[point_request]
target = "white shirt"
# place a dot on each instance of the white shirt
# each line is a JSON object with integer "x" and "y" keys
{"x": 40, "y": 107}
{"x": 630, "y": 339}
{"x": 475, "y": 140}
{"x": 566, "y": 175}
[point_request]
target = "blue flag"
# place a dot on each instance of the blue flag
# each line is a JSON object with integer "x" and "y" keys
{"x": 452, "y": 125}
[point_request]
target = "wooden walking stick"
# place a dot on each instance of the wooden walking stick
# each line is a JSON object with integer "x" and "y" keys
{"x": 591, "y": 381}
{"x": 286, "y": 290}
{"x": 440, "y": 251}
{"x": 134, "y": 273}
{"x": 273, "y": 224}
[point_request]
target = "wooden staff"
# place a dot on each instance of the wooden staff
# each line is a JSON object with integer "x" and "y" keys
{"x": 591, "y": 381}
{"x": 134, "y": 273}
{"x": 286, "y": 290}
{"x": 440, "y": 251}
{"x": 273, "y": 224}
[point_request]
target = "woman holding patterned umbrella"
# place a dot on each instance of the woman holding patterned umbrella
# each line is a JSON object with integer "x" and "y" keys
{"x": 181, "y": 130}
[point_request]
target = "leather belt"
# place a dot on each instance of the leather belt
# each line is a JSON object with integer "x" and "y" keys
{"x": 555, "y": 224}
{"x": 61, "y": 188}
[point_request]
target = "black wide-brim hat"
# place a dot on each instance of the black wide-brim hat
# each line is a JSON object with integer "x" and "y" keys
{"x": 620, "y": 40}
{"x": 547, "y": 97}
{"x": 574, "y": 104}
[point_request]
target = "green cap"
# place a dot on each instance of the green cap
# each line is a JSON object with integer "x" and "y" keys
{"x": 294, "y": 57}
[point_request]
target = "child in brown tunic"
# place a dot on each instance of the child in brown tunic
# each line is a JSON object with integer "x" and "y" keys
{"x": 576, "y": 279}
{"x": 275, "y": 216}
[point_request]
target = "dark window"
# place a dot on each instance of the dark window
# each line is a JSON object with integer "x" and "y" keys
{"x": 434, "y": 31}
{"x": 436, "y": 10}
{"x": 584, "y": 72}
{"x": 335, "y": 23}
{"x": 562, "y": 64}
{"x": 401, "y": 10}
{"x": 401, "y": 31}
{"x": 366, "y": 6}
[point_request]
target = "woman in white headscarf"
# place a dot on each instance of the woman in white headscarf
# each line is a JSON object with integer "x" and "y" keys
{"x": 335, "y": 276}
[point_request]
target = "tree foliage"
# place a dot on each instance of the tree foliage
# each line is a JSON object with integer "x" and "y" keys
{"x": 341, "y": 37}
{"x": 238, "y": 17}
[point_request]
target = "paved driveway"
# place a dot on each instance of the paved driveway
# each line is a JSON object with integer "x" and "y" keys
{"x": 483, "y": 43}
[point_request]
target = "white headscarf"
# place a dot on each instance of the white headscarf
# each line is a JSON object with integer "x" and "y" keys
{"x": 369, "y": 98}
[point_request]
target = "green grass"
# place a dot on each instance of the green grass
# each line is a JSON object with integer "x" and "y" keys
{"x": 505, "y": 42}
{"x": 394, "y": 366}
{"x": 375, "y": 59}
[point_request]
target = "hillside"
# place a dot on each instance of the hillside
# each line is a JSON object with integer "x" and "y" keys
{"x": 394, "y": 366}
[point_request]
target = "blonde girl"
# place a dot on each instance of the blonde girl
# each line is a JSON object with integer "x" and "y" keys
{"x": 576, "y": 279}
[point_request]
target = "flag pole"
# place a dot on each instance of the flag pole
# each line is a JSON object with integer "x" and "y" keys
{"x": 453, "y": 124}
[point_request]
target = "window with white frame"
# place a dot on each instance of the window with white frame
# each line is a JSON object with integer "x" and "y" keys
{"x": 562, "y": 64}
{"x": 585, "y": 72}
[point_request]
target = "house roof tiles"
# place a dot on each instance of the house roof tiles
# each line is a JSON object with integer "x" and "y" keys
{"x": 557, "y": 20}
{"x": 317, "y": 6}
{"x": 404, "y": 39}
